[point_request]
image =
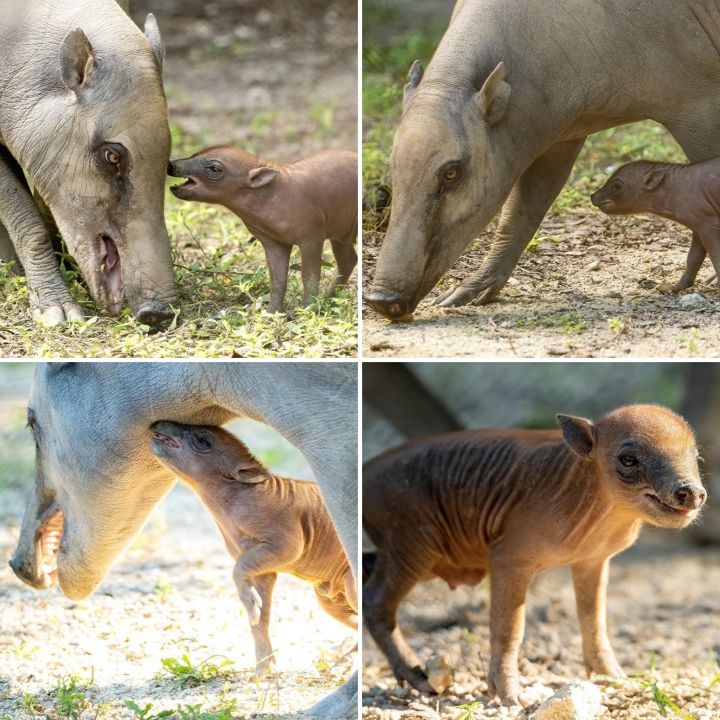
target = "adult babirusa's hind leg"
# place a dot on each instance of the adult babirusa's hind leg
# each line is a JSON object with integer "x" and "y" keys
{"x": 346, "y": 259}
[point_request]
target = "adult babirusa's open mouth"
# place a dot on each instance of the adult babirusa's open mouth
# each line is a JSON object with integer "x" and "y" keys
{"x": 111, "y": 268}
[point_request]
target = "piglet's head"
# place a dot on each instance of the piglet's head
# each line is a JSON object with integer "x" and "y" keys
{"x": 646, "y": 461}
{"x": 204, "y": 454}
{"x": 635, "y": 187}
{"x": 222, "y": 175}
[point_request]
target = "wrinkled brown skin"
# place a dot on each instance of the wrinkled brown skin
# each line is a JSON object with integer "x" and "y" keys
{"x": 270, "y": 525}
{"x": 512, "y": 503}
{"x": 78, "y": 79}
{"x": 302, "y": 203}
{"x": 511, "y": 93}
{"x": 688, "y": 194}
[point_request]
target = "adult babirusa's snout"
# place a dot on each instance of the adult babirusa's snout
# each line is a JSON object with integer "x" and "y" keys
{"x": 389, "y": 304}
{"x": 689, "y": 495}
{"x": 154, "y": 314}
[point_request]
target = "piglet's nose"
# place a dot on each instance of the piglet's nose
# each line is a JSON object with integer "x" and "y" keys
{"x": 594, "y": 199}
{"x": 690, "y": 496}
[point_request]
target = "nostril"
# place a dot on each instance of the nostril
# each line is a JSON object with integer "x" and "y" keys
{"x": 170, "y": 168}
{"x": 681, "y": 496}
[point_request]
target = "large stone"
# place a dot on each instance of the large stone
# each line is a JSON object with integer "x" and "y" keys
{"x": 576, "y": 701}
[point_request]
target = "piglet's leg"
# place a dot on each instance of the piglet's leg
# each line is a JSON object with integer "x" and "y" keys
{"x": 508, "y": 587}
{"x": 264, "y": 655}
{"x": 695, "y": 257}
{"x": 590, "y": 580}
{"x": 311, "y": 257}
{"x": 337, "y": 607}
{"x": 388, "y": 584}
{"x": 260, "y": 559}
{"x": 278, "y": 260}
{"x": 346, "y": 259}
{"x": 710, "y": 238}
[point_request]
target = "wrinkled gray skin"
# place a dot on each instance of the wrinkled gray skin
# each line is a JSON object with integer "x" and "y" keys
{"x": 83, "y": 114}
{"x": 94, "y": 463}
{"x": 499, "y": 117}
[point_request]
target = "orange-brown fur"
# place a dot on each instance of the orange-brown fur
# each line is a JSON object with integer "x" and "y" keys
{"x": 512, "y": 503}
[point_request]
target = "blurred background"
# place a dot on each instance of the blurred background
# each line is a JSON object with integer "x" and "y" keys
{"x": 171, "y": 593}
{"x": 663, "y": 606}
{"x": 278, "y": 78}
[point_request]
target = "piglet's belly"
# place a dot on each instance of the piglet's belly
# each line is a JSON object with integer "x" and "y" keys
{"x": 455, "y": 576}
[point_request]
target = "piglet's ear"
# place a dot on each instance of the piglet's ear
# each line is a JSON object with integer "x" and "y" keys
{"x": 652, "y": 178}
{"x": 250, "y": 472}
{"x": 580, "y": 434}
{"x": 261, "y": 176}
{"x": 77, "y": 60}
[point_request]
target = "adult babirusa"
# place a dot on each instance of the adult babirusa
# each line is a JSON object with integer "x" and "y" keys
{"x": 84, "y": 118}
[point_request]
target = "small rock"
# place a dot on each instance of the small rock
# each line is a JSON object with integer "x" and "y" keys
{"x": 576, "y": 701}
{"x": 693, "y": 301}
{"x": 439, "y": 672}
{"x": 594, "y": 265}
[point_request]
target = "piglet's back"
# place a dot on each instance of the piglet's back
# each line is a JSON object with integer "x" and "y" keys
{"x": 463, "y": 474}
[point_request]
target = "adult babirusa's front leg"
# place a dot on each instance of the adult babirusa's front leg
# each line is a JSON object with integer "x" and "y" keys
{"x": 521, "y": 216}
{"x": 49, "y": 296}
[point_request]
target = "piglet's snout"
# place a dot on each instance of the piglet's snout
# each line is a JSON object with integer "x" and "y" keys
{"x": 689, "y": 495}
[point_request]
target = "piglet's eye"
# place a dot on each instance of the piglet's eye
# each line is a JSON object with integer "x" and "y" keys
{"x": 627, "y": 461}
{"x": 617, "y": 185}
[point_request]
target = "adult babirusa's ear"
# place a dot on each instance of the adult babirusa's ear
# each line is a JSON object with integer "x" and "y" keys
{"x": 261, "y": 176}
{"x": 494, "y": 95}
{"x": 415, "y": 75}
{"x": 652, "y": 178}
{"x": 77, "y": 60}
{"x": 152, "y": 33}
{"x": 580, "y": 434}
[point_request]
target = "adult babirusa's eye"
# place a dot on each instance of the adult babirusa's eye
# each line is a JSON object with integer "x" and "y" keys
{"x": 110, "y": 156}
{"x": 451, "y": 173}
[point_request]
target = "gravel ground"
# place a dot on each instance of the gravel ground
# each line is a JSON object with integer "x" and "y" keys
{"x": 662, "y": 603}
{"x": 172, "y": 592}
{"x": 594, "y": 286}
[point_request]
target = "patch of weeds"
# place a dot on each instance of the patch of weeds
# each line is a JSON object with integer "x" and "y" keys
{"x": 163, "y": 588}
{"x": 617, "y": 325}
{"x": 31, "y": 703}
{"x": 662, "y": 700}
{"x": 181, "y": 712}
{"x": 689, "y": 340}
{"x": 538, "y": 239}
{"x": 146, "y": 713}
{"x": 70, "y": 701}
{"x": 467, "y": 711}
{"x": 323, "y": 114}
{"x": 188, "y": 672}
{"x": 569, "y": 322}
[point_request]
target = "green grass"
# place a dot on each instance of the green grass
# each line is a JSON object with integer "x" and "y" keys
{"x": 223, "y": 288}
{"x": 569, "y": 322}
{"x": 385, "y": 66}
{"x": 188, "y": 672}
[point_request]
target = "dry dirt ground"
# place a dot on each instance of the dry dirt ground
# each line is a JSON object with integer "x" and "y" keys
{"x": 663, "y": 604}
{"x": 278, "y": 78}
{"x": 593, "y": 286}
{"x": 171, "y": 593}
